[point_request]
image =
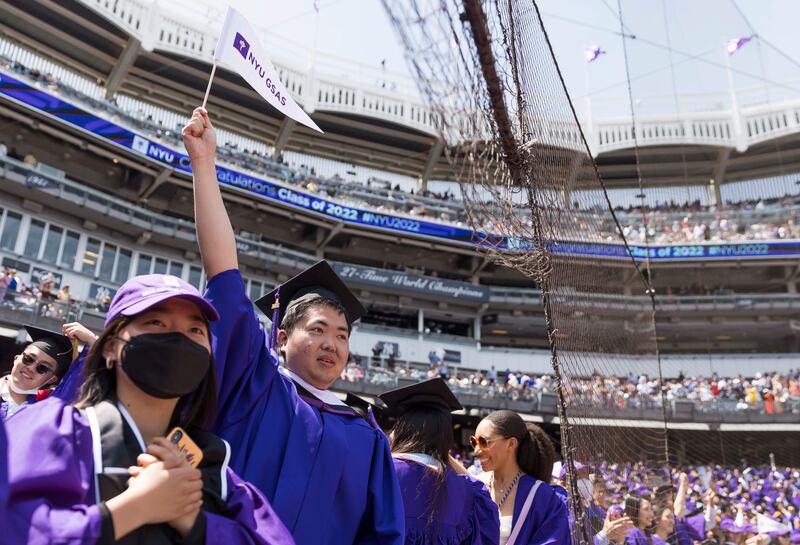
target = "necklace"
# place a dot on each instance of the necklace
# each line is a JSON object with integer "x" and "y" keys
{"x": 507, "y": 491}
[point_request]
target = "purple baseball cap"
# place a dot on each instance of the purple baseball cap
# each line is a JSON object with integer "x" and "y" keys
{"x": 142, "y": 292}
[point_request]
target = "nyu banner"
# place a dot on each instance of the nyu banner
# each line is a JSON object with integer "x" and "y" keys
{"x": 39, "y": 100}
{"x": 240, "y": 50}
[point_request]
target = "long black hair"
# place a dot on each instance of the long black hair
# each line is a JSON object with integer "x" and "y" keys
{"x": 427, "y": 430}
{"x": 633, "y": 508}
{"x": 535, "y": 452}
{"x": 196, "y": 410}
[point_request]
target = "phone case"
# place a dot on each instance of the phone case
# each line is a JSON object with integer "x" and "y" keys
{"x": 188, "y": 448}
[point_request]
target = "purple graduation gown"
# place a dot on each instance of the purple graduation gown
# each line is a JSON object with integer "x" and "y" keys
{"x": 329, "y": 475}
{"x": 3, "y": 473}
{"x": 52, "y": 496}
{"x": 70, "y": 384}
{"x": 469, "y": 517}
{"x": 547, "y": 522}
{"x": 635, "y": 536}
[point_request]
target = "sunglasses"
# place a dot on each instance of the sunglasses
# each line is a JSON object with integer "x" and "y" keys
{"x": 481, "y": 441}
{"x": 41, "y": 368}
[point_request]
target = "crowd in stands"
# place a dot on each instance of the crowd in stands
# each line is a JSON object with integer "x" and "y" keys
{"x": 696, "y": 504}
{"x": 45, "y": 298}
{"x": 669, "y": 223}
{"x": 769, "y": 393}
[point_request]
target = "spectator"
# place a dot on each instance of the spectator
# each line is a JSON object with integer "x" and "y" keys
{"x": 64, "y": 295}
{"x": 443, "y": 370}
{"x": 491, "y": 375}
{"x": 31, "y": 160}
{"x": 47, "y": 283}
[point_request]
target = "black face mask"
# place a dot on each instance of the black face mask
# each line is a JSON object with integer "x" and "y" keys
{"x": 165, "y": 365}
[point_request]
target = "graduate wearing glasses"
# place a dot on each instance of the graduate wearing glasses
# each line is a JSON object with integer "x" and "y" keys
{"x": 444, "y": 505}
{"x": 517, "y": 459}
{"x": 327, "y": 471}
{"x": 40, "y": 366}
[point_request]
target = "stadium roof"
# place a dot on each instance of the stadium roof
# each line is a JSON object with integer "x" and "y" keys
{"x": 371, "y": 126}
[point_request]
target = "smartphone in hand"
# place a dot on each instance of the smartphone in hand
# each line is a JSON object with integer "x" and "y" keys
{"x": 187, "y": 447}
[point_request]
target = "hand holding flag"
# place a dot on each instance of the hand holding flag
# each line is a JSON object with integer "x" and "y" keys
{"x": 199, "y": 137}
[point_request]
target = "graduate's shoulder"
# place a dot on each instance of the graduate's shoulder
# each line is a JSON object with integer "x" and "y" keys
{"x": 544, "y": 493}
{"x": 52, "y": 415}
{"x": 50, "y": 407}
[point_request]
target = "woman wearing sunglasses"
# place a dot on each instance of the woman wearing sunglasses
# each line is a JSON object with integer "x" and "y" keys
{"x": 104, "y": 470}
{"x": 443, "y": 504}
{"x": 517, "y": 460}
{"x": 39, "y": 367}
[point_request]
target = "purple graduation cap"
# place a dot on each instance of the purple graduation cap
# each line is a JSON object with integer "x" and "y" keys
{"x": 319, "y": 280}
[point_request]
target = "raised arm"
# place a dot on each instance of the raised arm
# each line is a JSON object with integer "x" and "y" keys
{"x": 214, "y": 232}
{"x": 239, "y": 343}
{"x": 679, "y": 505}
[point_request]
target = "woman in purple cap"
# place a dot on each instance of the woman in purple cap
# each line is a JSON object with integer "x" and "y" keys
{"x": 518, "y": 461}
{"x": 104, "y": 470}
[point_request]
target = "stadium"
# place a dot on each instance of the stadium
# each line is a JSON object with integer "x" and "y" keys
{"x": 665, "y": 329}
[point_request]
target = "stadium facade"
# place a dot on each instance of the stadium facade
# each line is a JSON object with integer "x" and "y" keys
{"x": 95, "y": 187}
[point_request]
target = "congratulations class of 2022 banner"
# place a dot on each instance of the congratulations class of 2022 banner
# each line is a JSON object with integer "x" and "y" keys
{"x": 45, "y": 102}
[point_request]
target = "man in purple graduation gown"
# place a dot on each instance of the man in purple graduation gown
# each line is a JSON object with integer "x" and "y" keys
{"x": 327, "y": 472}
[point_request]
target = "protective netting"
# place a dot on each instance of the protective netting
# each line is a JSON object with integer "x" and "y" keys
{"x": 514, "y": 145}
{"x": 534, "y": 196}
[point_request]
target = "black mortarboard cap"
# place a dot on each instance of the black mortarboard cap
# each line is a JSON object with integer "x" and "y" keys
{"x": 358, "y": 402}
{"x": 321, "y": 280}
{"x": 430, "y": 393}
{"x": 54, "y": 344}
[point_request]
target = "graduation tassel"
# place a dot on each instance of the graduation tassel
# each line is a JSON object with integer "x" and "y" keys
{"x": 273, "y": 330}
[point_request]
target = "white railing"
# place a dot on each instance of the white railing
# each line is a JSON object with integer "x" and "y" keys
{"x": 162, "y": 30}
{"x": 350, "y": 88}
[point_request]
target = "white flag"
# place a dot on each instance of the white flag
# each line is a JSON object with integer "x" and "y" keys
{"x": 240, "y": 49}
{"x": 768, "y": 525}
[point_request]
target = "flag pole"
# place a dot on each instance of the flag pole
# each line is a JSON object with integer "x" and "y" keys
{"x": 210, "y": 80}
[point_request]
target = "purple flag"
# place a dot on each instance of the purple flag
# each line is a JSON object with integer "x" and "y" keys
{"x": 736, "y": 44}
{"x": 592, "y": 52}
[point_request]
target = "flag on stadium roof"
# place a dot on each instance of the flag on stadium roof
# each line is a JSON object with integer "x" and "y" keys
{"x": 239, "y": 49}
{"x": 736, "y": 44}
{"x": 592, "y": 52}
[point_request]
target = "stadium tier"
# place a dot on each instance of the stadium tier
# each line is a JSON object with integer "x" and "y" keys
{"x": 95, "y": 187}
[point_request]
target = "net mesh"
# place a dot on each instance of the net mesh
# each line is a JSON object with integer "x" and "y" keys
{"x": 513, "y": 142}
{"x": 534, "y": 196}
